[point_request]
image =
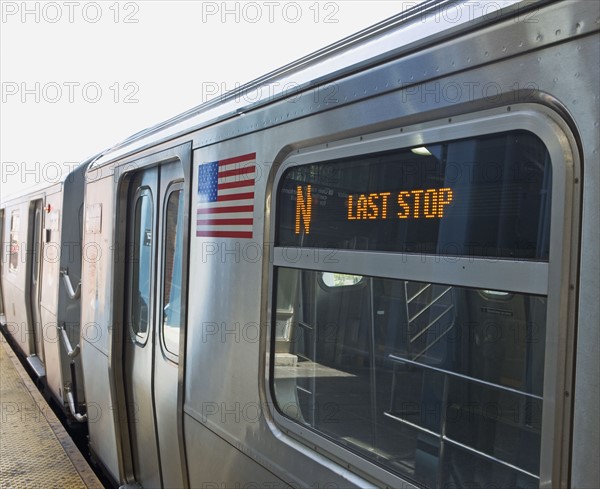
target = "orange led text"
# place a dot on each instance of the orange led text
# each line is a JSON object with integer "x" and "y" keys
{"x": 372, "y": 206}
{"x": 303, "y": 209}
{"x": 428, "y": 203}
{"x": 410, "y": 204}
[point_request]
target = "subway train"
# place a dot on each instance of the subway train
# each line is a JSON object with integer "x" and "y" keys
{"x": 379, "y": 270}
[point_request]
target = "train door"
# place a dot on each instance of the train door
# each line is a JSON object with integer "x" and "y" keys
{"x": 35, "y": 241}
{"x": 155, "y": 310}
{"x": 139, "y": 348}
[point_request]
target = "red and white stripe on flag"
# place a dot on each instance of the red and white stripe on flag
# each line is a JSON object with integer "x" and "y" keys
{"x": 226, "y": 197}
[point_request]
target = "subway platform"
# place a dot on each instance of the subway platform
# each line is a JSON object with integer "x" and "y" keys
{"x": 35, "y": 450}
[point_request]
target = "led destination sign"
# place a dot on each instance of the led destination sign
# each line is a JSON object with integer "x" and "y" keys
{"x": 484, "y": 196}
{"x": 406, "y": 204}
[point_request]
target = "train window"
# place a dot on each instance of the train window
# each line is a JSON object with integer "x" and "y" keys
{"x": 14, "y": 242}
{"x": 141, "y": 266}
{"x": 483, "y": 196}
{"x": 432, "y": 382}
{"x": 172, "y": 271}
{"x": 419, "y": 335}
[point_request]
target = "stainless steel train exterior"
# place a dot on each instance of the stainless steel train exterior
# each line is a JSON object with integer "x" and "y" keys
{"x": 375, "y": 267}
{"x": 41, "y": 258}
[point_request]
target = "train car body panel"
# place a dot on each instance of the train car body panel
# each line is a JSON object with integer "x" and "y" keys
{"x": 586, "y": 276}
{"x": 97, "y": 300}
{"x": 45, "y": 227}
{"x": 298, "y": 291}
{"x": 25, "y": 273}
{"x": 228, "y": 326}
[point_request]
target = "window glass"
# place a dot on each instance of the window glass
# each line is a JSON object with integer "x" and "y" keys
{"x": 141, "y": 267}
{"x": 173, "y": 244}
{"x": 437, "y": 383}
{"x": 482, "y": 196}
{"x": 14, "y": 242}
{"x": 36, "y": 245}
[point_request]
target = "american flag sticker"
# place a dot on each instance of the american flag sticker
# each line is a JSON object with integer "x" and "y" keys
{"x": 226, "y": 197}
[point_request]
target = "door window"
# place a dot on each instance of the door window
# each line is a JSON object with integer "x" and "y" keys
{"x": 14, "y": 242}
{"x": 141, "y": 266}
{"x": 172, "y": 274}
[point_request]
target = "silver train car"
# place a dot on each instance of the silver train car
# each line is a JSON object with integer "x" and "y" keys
{"x": 381, "y": 269}
{"x": 40, "y": 310}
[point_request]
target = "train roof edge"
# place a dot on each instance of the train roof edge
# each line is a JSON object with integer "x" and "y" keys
{"x": 403, "y": 33}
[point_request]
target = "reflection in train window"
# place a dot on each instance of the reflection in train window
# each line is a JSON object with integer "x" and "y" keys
{"x": 141, "y": 266}
{"x": 331, "y": 279}
{"x": 436, "y": 383}
{"x": 172, "y": 274}
{"x": 14, "y": 242}
{"x": 496, "y": 294}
